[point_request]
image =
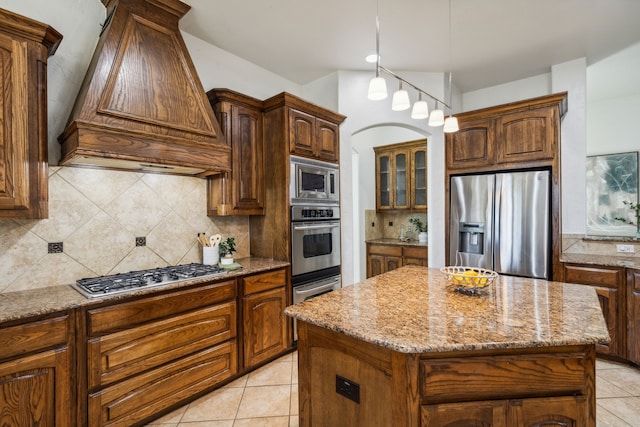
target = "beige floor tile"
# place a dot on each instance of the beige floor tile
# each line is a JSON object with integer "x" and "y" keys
{"x": 625, "y": 408}
{"x": 274, "y": 373}
{"x": 293, "y": 408}
{"x": 294, "y": 421}
{"x": 171, "y": 419}
{"x": 240, "y": 382}
{"x": 605, "y": 418}
{"x": 265, "y": 401}
{"x": 609, "y": 364}
{"x": 605, "y": 388}
{"x": 263, "y": 422}
{"x": 225, "y": 423}
{"x": 220, "y": 405}
{"x": 627, "y": 379}
{"x": 294, "y": 373}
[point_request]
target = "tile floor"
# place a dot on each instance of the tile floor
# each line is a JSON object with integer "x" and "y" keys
{"x": 268, "y": 397}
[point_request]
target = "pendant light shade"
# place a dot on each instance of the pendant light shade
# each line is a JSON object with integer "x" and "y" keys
{"x": 436, "y": 118}
{"x": 400, "y": 100}
{"x": 420, "y": 109}
{"x": 377, "y": 89}
{"x": 450, "y": 125}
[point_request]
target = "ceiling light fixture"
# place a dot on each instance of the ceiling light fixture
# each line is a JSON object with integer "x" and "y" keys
{"x": 378, "y": 89}
{"x": 451, "y": 123}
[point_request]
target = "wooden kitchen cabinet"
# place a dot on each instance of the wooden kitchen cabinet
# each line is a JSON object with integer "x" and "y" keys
{"x": 401, "y": 176}
{"x": 563, "y": 411}
{"x": 507, "y": 136}
{"x": 472, "y": 146}
{"x": 241, "y": 191}
{"x": 25, "y": 45}
{"x": 609, "y": 283}
{"x": 310, "y": 130}
{"x": 37, "y": 374}
{"x": 633, "y": 315}
{"x": 145, "y": 355}
{"x": 386, "y": 257}
{"x": 266, "y": 328}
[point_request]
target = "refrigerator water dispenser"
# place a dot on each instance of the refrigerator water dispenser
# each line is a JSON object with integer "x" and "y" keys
{"x": 471, "y": 238}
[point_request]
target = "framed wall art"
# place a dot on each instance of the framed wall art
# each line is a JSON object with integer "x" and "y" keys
{"x": 612, "y": 184}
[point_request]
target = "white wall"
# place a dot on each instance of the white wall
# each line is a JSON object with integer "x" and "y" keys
{"x": 363, "y": 114}
{"x": 507, "y": 92}
{"x": 362, "y": 144}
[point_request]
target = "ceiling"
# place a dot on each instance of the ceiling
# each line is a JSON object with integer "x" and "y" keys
{"x": 488, "y": 42}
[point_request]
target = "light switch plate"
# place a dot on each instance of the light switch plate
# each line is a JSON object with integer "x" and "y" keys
{"x": 627, "y": 249}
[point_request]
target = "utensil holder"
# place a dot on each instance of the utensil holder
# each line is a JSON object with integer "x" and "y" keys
{"x": 210, "y": 255}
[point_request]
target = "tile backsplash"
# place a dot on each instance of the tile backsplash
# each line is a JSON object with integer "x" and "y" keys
{"x": 388, "y": 225}
{"x": 108, "y": 222}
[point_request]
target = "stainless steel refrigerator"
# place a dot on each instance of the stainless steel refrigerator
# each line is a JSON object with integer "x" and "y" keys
{"x": 502, "y": 222}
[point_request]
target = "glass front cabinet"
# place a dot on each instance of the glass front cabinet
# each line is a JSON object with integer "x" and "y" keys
{"x": 401, "y": 176}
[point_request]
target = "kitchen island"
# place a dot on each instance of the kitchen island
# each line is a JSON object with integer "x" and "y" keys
{"x": 405, "y": 349}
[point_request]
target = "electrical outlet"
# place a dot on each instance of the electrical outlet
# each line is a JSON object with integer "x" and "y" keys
{"x": 627, "y": 249}
{"x": 348, "y": 388}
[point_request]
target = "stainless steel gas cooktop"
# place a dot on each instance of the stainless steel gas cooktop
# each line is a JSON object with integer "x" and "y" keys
{"x": 124, "y": 282}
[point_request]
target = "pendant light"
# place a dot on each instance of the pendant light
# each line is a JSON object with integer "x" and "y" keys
{"x": 378, "y": 89}
{"x": 377, "y": 85}
{"x": 400, "y": 99}
{"x": 436, "y": 118}
{"x": 451, "y": 123}
{"x": 420, "y": 109}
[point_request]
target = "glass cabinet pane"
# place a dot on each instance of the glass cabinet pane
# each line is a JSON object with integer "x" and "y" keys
{"x": 384, "y": 176}
{"x": 401, "y": 179}
{"x": 420, "y": 179}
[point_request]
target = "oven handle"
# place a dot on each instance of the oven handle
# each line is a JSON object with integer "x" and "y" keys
{"x": 316, "y": 227}
{"x": 315, "y": 290}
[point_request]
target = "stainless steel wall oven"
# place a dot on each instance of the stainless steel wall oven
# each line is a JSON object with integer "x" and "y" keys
{"x": 315, "y": 251}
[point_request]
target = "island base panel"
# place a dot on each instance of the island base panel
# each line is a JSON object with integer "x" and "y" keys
{"x": 392, "y": 385}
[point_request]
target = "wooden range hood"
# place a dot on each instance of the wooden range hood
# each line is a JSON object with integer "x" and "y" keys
{"x": 142, "y": 106}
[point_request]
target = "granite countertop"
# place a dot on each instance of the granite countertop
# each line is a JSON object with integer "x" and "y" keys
{"x": 415, "y": 310}
{"x": 397, "y": 242}
{"x": 608, "y": 260}
{"x": 42, "y": 301}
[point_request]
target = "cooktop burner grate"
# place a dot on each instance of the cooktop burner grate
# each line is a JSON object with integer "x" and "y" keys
{"x": 118, "y": 283}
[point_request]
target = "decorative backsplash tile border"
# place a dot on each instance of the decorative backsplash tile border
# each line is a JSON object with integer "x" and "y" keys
{"x": 97, "y": 219}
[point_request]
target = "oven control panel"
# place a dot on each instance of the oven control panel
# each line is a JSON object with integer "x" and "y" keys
{"x": 306, "y": 213}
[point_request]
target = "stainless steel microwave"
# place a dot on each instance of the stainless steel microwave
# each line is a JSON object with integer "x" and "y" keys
{"x": 313, "y": 181}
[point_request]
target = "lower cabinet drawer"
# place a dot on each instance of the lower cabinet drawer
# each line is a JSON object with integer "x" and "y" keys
{"x": 385, "y": 250}
{"x": 119, "y": 355}
{"x": 142, "y": 396}
{"x": 499, "y": 377}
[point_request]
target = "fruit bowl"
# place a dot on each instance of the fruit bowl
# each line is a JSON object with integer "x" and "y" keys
{"x": 469, "y": 280}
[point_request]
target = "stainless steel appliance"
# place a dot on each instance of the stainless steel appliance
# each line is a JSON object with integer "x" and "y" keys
{"x": 315, "y": 252}
{"x": 315, "y": 240}
{"x": 313, "y": 289}
{"x": 502, "y": 222}
{"x": 118, "y": 283}
{"x": 313, "y": 181}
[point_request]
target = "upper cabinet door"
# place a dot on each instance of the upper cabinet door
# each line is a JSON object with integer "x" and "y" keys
{"x": 527, "y": 135}
{"x": 472, "y": 146}
{"x": 25, "y": 46}
{"x": 327, "y": 142}
{"x": 419, "y": 178}
{"x": 240, "y": 191}
{"x": 302, "y": 134}
{"x": 384, "y": 198}
{"x": 402, "y": 180}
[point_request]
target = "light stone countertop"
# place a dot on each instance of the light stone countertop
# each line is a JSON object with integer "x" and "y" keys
{"x": 397, "y": 242}
{"x": 599, "y": 259}
{"x": 43, "y": 301}
{"x": 415, "y": 310}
